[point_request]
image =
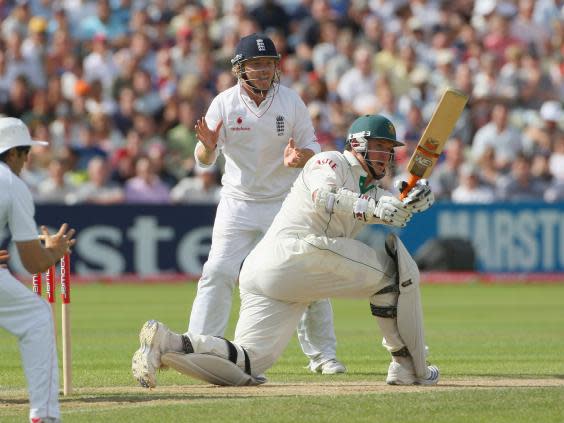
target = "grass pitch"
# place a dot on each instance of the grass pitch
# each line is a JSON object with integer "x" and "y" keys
{"x": 500, "y": 349}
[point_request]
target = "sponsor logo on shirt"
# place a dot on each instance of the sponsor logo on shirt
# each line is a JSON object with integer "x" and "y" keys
{"x": 327, "y": 162}
{"x": 239, "y": 126}
{"x": 280, "y": 125}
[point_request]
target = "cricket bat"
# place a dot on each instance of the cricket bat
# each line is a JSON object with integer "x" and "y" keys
{"x": 434, "y": 137}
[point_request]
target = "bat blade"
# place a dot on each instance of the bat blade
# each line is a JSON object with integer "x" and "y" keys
{"x": 434, "y": 137}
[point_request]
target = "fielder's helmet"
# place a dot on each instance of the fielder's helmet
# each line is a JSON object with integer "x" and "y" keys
{"x": 253, "y": 46}
{"x": 371, "y": 126}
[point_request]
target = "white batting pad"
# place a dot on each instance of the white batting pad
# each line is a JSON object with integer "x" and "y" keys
{"x": 410, "y": 310}
{"x": 210, "y": 368}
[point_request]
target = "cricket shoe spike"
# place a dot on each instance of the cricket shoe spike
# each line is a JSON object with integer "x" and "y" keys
{"x": 404, "y": 374}
{"x": 147, "y": 359}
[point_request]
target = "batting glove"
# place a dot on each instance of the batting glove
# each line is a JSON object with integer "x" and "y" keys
{"x": 392, "y": 211}
{"x": 420, "y": 198}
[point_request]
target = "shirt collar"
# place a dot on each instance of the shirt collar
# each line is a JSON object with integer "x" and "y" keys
{"x": 244, "y": 93}
{"x": 355, "y": 164}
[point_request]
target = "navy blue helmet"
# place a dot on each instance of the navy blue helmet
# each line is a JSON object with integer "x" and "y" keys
{"x": 253, "y": 46}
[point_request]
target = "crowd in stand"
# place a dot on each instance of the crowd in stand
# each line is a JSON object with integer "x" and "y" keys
{"x": 116, "y": 88}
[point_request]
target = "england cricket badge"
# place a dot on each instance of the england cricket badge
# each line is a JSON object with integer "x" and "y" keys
{"x": 280, "y": 125}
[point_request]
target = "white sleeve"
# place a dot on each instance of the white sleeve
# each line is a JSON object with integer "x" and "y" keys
{"x": 20, "y": 219}
{"x": 304, "y": 134}
{"x": 213, "y": 116}
{"x": 324, "y": 171}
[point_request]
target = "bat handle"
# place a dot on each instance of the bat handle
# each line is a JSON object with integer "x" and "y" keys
{"x": 410, "y": 184}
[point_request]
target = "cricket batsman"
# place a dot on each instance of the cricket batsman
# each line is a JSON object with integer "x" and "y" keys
{"x": 310, "y": 253}
{"x": 264, "y": 131}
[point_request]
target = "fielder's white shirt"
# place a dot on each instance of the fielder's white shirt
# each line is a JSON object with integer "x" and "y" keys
{"x": 325, "y": 170}
{"x": 16, "y": 206}
{"x": 253, "y": 139}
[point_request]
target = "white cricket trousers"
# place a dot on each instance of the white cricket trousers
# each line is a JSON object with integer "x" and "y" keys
{"x": 28, "y": 317}
{"x": 281, "y": 277}
{"x": 238, "y": 227}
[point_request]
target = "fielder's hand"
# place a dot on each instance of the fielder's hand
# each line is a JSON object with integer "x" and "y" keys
{"x": 392, "y": 211}
{"x": 207, "y": 136}
{"x": 293, "y": 157}
{"x": 420, "y": 198}
{"x": 59, "y": 243}
{"x": 4, "y": 257}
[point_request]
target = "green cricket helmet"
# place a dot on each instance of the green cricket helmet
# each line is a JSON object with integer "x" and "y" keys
{"x": 371, "y": 126}
{"x": 375, "y": 127}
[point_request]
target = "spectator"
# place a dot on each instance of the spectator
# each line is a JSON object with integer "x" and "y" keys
{"x": 147, "y": 99}
{"x": 100, "y": 65}
{"x": 18, "y": 64}
{"x": 471, "y": 190}
{"x": 499, "y": 37}
{"x": 536, "y": 85}
{"x": 40, "y": 111}
{"x": 125, "y": 110}
{"x": 489, "y": 173}
{"x": 498, "y": 133}
{"x": 269, "y": 14}
{"x": 320, "y": 122}
{"x": 19, "y": 101}
{"x": 16, "y": 22}
{"x": 34, "y": 47}
{"x": 556, "y": 161}
{"x": 104, "y": 22}
{"x": 181, "y": 140}
{"x": 520, "y": 185}
{"x": 98, "y": 189}
{"x": 157, "y": 154}
{"x": 203, "y": 188}
{"x": 146, "y": 187}
{"x": 444, "y": 179}
{"x": 57, "y": 186}
{"x": 88, "y": 147}
{"x": 542, "y": 133}
{"x": 532, "y": 34}
{"x": 360, "y": 79}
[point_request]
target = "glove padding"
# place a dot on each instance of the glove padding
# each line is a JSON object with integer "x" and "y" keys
{"x": 420, "y": 198}
{"x": 344, "y": 201}
{"x": 392, "y": 211}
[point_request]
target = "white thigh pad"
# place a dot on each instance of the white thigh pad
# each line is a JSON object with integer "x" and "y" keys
{"x": 210, "y": 368}
{"x": 409, "y": 308}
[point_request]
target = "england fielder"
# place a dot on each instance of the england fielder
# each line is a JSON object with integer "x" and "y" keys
{"x": 264, "y": 131}
{"x": 309, "y": 253}
{"x": 22, "y": 312}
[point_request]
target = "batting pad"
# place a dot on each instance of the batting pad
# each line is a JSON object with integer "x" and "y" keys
{"x": 210, "y": 368}
{"x": 410, "y": 310}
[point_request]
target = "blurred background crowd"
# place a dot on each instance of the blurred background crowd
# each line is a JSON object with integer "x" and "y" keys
{"x": 116, "y": 86}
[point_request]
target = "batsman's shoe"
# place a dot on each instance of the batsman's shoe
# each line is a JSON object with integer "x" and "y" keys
{"x": 44, "y": 420}
{"x": 432, "y": 377}
{"x": 329, "y": 367}
{"x": 147, "y": 359}
{"x": 399, "y": 374}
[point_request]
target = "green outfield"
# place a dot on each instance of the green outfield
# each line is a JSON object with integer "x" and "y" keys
{"x": 500, "y": 349}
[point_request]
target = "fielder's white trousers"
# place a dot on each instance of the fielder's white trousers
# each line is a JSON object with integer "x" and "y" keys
{"x": 28, "y": 317}
{"x": 238, "y": 227}
{"x": 281, "y": 277}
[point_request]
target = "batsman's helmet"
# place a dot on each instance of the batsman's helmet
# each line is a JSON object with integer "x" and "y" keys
{"x": 253, "y": 46}
{"x": 372, "y": 127}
